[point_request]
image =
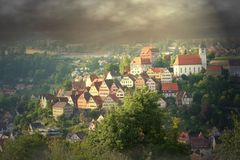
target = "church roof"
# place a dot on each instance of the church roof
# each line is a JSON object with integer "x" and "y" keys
{"x": 188, "y": 59}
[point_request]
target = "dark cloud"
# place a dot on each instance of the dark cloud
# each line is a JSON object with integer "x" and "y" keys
{"x": 117, "y": 21}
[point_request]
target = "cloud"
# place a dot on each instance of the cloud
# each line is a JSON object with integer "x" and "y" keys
{"x": 113, "y": 20}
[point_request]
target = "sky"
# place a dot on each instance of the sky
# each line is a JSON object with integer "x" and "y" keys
{"x": 108, "y": 21}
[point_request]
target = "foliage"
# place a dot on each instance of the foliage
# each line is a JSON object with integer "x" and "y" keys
{"x": 124, "y": 62}
{"x": 230, "y": 147}
{"x": 25, "y": 148}
{"x": 160, "y": 62}
{"x": 213, "y": 100}
{"x": 138, "y": 122}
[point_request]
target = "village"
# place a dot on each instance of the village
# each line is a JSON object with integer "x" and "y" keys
{"x": 92, "y": 96}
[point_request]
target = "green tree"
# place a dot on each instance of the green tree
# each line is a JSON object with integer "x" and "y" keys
{"x": 25, "y": 147}
{"x": 58, "y": 150}
{"x": 124, "y": 62}
{"x": 230, "y": 147}
{"x": 138, "y": 121}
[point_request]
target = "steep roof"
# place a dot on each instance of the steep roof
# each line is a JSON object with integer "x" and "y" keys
{"x": 170, "y": 87}
{"x": 86, "y": 95}
{"x": 118, "y": 84}
{"x": 157, "y": 70}
{"x": 109, "y": 83}
{"x": 188, "y": 59}
{"x": 97, "y": 85}
{"x": 140, "y": 61}
{"x": 214, "y": 68}
{"x": 97, "y": 100}
{"x": 93, "y": 77}
{"x": 78, "y": 85}
{"x": 199, "y": 142}
{"x": 59, "y": 105}
{"x": 148, "y": 50}
{"x": 48, "y": 97}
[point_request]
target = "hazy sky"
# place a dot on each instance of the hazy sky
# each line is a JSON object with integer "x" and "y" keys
{"x": 117, "y": 20}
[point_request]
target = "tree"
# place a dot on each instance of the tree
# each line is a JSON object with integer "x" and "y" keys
{"x": 124, "y": 62}
{"x": 111, "y": 67}
{"x": 25, "y": 147}
{"x": 58, "y": 150}
{"x": 138, "y": 121}
{"x": 67, "y": 84}
{"x": 230, "y": 147}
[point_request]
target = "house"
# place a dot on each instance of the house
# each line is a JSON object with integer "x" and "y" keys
{"x": 155, "y": 72}
{"x": 3, "y": 138}
{"x": 141, "y": 81}
{"x": 139, "y": 65}
{"x": 94, "y": 102}
{"x": 112, "y": 75}
{"x": 66, "y": 94}
{"x": 105, "y": 88}
{"x": 78, "y": 86}
{"x": 183, "y": 98}
{"x": 90, "y": 79}
{"x": 170, "y": 89}
{"x": 162, "y": 103}
{"x": 152, "y": 84}
{"x": 54, "y": 132}
{"x": 36, "y": 127}
{"x": 62, "y": 108}
{"x": 110, "y": 101}
{"x": 75, "y": 137}
{"x": 94, "y": 89}
{"x": 214, "y": 70}
{"x": 149, "y": 53}
{"x": 187, "y": 64}
{"x": 162, "y": 74}
{"x": 166, "y": 76}
{"x": 47, "y": 99}
{"x": 92, "y": 125}
{"x": 183, "y": 138}
{"x": 201, "y": 147}
{"x": 187, "y": 99}
{"x": 83, "y": 99}
{"x": 100, "y": 119}
{"x": 115, "y": 86}
{"x": 179, "y": 96}
{"x": 128, "y": 81}
{"x": 120, "y": 93}
{"x": 234, "y": 67}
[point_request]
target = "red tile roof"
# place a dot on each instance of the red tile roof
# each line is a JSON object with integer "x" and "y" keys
{"x": 157, "y": 70}
{"x": 170, "y": 87}
{"x": 187, "y": 59}
{"x": 199, "y": 142}
{"x": 214, "y": 68}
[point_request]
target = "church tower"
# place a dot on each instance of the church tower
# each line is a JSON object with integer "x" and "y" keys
{"x": 202, "y": 51}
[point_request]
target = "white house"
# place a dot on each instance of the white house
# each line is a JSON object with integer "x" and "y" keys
{"x": 187, "y": 64}
{"x": 128, "y": 81}
{"x": 166, "y": 76}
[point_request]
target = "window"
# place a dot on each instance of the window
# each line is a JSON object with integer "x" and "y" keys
{"x": 180, "y": 70}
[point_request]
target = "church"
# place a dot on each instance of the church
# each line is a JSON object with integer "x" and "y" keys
{"x": 187, "y": 64}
